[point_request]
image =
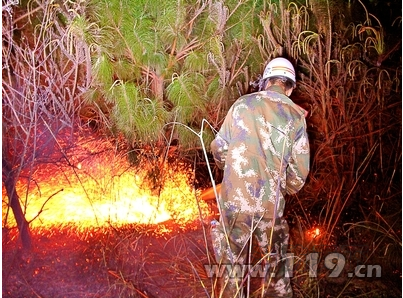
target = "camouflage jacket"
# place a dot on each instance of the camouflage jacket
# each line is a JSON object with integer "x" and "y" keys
{"x": 264, "y": 151}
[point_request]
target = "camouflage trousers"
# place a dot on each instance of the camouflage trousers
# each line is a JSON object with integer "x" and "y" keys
{"x": 232, "y": 242}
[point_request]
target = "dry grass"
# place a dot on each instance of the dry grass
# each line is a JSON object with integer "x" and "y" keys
{"x": 108, "y": 262}
{"x": 134, "y": 261}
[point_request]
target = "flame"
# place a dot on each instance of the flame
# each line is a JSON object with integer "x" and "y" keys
{"x": 314, "y": 233}
{"x": 107, "y": 191}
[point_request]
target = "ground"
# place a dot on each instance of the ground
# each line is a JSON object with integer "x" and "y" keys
{"x": 104, "y": 263}
{"x": 135, "y": 261}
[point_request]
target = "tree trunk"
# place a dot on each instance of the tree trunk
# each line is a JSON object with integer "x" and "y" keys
{"x": 14, "y": 202}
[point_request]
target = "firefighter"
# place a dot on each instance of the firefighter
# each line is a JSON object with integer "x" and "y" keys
{"x": 263, "y": 148}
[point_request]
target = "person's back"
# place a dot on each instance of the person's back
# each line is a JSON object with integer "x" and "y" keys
{"x": 263, "y": 128}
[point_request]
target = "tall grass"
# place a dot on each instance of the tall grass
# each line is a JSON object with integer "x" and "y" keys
{"x": 354, "y": 133}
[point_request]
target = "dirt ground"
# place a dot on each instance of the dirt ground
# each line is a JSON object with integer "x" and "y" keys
{"x": 135, "y": 262}
{"x": 112, "y": 263}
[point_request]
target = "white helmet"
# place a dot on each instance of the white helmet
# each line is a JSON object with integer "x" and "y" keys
{"x": 279, "y": 67}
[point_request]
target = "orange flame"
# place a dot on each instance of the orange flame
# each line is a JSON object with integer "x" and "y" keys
{"x": 314, "y": 233}
{"x": 107, "y": 192}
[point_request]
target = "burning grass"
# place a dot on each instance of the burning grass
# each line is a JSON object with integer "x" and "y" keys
{"x": 102, "y": 227}
{"x": 105, "y": 190}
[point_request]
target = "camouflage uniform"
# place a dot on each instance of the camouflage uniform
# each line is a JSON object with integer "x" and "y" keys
{"x": 264, "y": 151}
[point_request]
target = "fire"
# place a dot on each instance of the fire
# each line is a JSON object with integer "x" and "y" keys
{"x": 107, "y": 191}
{"x": 314, "y": 233}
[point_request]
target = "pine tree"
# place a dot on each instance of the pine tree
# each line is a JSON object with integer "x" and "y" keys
{"x": 178, "y": 61}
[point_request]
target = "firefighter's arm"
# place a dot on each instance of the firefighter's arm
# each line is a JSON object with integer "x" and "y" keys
{"x": 298, "y": 167}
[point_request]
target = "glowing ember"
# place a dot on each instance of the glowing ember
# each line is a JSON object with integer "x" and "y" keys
{"x": 314, "y": 233}
{"x": 107, "y": 192}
